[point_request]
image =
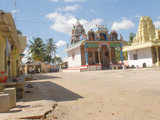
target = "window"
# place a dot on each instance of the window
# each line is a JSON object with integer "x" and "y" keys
{"x": 135, "y": 57}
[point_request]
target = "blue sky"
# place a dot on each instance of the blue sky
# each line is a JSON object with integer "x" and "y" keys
{"x": 54, "y": 18}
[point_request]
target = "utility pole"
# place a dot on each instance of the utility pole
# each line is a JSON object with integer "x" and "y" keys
{"x": 15, "y": 8}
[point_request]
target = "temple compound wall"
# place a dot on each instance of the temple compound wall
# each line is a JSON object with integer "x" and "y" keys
{"x": 12, "y": 46}
{"x": 144, "y": 51}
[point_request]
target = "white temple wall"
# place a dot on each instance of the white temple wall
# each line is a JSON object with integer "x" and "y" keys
{"x": 143, "y": 56}
{"x": 74, "y": 58}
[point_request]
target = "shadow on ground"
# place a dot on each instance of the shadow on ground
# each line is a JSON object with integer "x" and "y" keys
{"x": 43, "y": 77}
{"x": 47, "y": 90}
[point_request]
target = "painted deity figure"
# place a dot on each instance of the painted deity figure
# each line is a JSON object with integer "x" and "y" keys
{"x": 102, "y": 33}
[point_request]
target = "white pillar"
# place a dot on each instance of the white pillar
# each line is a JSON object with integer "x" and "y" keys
{"x": 157, "y": 54}
{"x": 99, "y": 55}
{"x": 110, "y": 55}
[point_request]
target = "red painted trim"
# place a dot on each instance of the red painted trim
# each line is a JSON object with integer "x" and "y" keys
{"x": 84, "y": 65}
{"x": 96, "y": 65}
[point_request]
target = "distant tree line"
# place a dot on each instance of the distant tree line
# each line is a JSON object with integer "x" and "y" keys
{"x": 43, "y": 52}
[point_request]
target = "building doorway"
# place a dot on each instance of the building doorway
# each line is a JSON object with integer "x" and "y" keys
{"x": 105, "y": 57}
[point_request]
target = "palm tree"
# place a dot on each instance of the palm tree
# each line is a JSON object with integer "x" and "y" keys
{"x": 50, "y": 50}
{"x": 131, "y": 37}
{"x": 57, "y": 60}
{"x": 37, "y": 49}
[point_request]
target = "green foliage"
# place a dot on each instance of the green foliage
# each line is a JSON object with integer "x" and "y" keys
{"x": 50, "y": 50}
{"x": 37, "y": 49}
{"x": 44, "y": 52}
{"x": 57, "y": 60}
{"x": 125, "y": 55}
{"x": 131, "y": 37}
{"x": 118, "y": 54}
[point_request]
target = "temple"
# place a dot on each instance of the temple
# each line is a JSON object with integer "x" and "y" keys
{"x": 145, "y": 48}
{"x": 12, "y": 45}
{"x": 94, "y": 50}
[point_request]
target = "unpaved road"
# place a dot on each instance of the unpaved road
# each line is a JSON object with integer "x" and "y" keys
{"x": 111, "y": 95}
{"x": 104, "y": 95}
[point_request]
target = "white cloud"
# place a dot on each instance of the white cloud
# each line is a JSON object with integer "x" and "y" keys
{"x": 67, "y": 0}
{"x": 69, "y": 8}
{"x": 64, "y": 22}
{"x": 15, "y": 11}
{"x": 124, "y": 24}
{"x": 157, "y": 24}
{"x": 61, "y": 43}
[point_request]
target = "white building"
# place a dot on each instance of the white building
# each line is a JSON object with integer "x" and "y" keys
{"x": 74, "y": 57}
{"x": 145, "y": 49}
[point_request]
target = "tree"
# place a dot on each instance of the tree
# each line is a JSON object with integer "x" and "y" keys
{"x": 37, "y": 49}
{"x": 131, "y": 37}
{"x": 50, "y": 50}
{"x": 118, "y": 55}
{"x": 57, "y": 60}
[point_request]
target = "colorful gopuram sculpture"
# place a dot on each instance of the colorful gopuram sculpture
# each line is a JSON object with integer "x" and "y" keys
{"x": 145, "y": 49}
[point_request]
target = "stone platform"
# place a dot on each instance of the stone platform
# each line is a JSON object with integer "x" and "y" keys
{"x": 4, "y": 103}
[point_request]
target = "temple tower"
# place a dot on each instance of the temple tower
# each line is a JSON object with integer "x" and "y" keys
{"x": 146, "y": 31}
{"x": 77, "y": 32}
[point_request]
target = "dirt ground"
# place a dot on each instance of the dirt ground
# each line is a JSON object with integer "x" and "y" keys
{"x": 101, "y": 95}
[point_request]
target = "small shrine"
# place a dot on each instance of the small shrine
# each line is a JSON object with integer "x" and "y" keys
{"x": 94, "y": 50}
{"x": 144, "y": 51}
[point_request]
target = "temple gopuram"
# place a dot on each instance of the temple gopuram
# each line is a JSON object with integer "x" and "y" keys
{"x": 94, "y": 50}
{"x": 145, "y": 48}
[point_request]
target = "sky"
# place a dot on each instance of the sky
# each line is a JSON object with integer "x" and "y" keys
{"x": 55, "y": 18}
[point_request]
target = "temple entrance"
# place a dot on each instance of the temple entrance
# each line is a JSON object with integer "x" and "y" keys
{"x": 93, "y": 56}
{"x": 105, "y": 61}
